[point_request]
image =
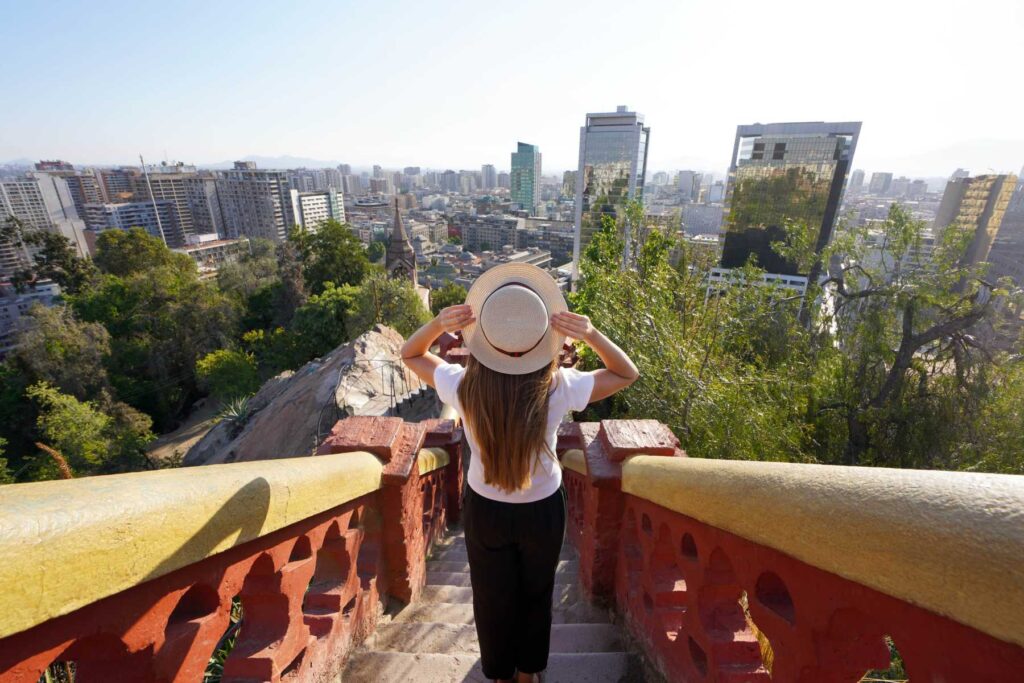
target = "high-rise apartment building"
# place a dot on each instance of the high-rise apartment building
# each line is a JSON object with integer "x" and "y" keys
{"x": 255, "y": 203}
{"x": 42, "y": 202}
{"x": 976, "y": 205}
{"x": 345, "y": 169}
{"x": 313, "y": 208}
{"x": 83, "y": 186}
{"x": 504, "y": 180}
{"x": 118, "y": 184}
{"x": 611, "y": 171}
{"x": 488, "y": 177}
{"x": 880, "y": 183}
{"x": 194, "y": 196}
{"x": 159, "y": 218}
{"x": 525, "y": 176}
{"x": 783, "y": 172}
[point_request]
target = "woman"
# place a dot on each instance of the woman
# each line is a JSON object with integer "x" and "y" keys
{"x": 511, "y": 396}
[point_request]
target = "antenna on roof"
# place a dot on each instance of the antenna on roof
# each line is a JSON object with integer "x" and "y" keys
{"x": 149, "y": 186}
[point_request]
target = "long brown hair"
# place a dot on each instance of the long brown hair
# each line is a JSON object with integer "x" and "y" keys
{"x": 508, "y": 415}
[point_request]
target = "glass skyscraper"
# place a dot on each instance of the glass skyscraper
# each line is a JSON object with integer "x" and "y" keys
{"x": 780, "y": 172}
{"x": 612, "y": 167}
{"x": 525, "y": 177}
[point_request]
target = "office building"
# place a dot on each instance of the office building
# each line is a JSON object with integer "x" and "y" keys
{"x": 783, "y": 172}
{"x": 975, "y": 205}
{"x": 917, "y": 190}
{"x": 525, "y": 177}
{"x": 255, "y": 203}
{"x": 701, "y": 219}
{"x": 488, "y": 177}
{"x": 611, "y": 171}
{"x": 313, "y": 208}
{"x": 486, "y": 233}
{"x": 467, "y": 182}
{"x": 899, "y": 187}
{"x": 689, "y": 185}
{"x": 880, "y": 183}
{"x": 856, "y": 182}
{"x": 504, "y": 180}
{"x": 345, "y": 169}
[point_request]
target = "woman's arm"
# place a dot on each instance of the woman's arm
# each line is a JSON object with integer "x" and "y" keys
{"x": 618, "y": 371}
{"x": 416, "y": 350}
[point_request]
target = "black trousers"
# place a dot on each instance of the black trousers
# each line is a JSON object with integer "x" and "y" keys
{"x": 513, "y": 552}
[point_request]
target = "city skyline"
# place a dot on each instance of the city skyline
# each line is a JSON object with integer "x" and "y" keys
{"x": 172, "y": 100}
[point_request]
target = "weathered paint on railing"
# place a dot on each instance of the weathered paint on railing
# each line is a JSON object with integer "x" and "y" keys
{"x": 301, "y": 543}
{"x": 724, "y": 570}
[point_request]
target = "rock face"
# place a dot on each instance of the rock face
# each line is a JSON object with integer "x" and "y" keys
{"x": 293, "y": 411}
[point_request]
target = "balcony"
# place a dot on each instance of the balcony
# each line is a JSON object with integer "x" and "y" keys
{"x": 348, "y": 563}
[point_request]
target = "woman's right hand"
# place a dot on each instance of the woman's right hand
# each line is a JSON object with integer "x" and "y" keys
{"x": 454, "y": 318}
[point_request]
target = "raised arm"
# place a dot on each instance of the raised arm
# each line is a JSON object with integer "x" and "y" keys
{"x": 416, "y": 350}
{"x": 618, "y": 371}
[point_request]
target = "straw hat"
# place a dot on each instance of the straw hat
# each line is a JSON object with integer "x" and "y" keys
{"x": 513, "y": 304}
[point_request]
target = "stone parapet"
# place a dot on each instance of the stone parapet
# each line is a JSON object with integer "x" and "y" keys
{"x": 141, "y": 577}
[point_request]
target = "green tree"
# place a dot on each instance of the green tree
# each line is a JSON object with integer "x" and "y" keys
{"x": 161, "y": 320}
{"x": 331, "y": 254}
{"x": 900, "y": 382}
{"x": 322, "y": 323}
{"x": 251, "y": 272}
{"x": 128, "y": 252}
{"x": 450, "y": 294}
{"x": 228, "y": 374}
{"x": 390, "y": 302}
{"x": 703, "y": 370}
{"x": 5, "y": 473}
{"x": 375, "y": 252}
{"x": 53, "y": 258}
{"x": 63, "y": 351}
{"x": 292, "y": 292}
{"x": 91, "y": 441}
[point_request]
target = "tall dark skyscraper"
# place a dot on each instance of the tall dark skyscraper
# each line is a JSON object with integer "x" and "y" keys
{"x": 780, "y": 172}
{"x": 612, "y": 170}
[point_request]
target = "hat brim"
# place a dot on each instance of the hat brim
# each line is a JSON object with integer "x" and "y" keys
{"x": 546, "y": 288}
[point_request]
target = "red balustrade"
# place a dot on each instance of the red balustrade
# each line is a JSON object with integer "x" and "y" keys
{"x": 308, "y": 593}
{"x": 708, "y": 605}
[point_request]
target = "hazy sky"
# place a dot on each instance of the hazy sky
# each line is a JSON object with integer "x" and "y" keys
{"x": 937, "y": 84}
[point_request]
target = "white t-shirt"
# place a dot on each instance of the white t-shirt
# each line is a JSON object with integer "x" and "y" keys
{"x": 571, "y": 390}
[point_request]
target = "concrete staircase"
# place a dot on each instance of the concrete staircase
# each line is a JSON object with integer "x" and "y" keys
{"x": 434, "y": 640}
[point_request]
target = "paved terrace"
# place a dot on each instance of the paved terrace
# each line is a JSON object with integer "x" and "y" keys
{"x": 678, "y": 568}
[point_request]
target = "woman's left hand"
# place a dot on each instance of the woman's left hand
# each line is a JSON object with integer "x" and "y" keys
{"x": 572, "y": 325}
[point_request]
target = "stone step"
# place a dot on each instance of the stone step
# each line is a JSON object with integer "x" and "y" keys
{"x": 452, "y": 639}
{"x": 564, "y": 594}
{"x": 457, "y": 553}
{"x": 565, "y": 567}
{"x": 462, "y": 613}
{"x": 462, "y": 578}
{"x": 402, "y": 667}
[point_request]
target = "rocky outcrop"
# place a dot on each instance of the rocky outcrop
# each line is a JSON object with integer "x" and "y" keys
{"x": 292, "y": 412}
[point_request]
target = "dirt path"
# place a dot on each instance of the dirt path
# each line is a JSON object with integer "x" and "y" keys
{"x": 184, "y": 437}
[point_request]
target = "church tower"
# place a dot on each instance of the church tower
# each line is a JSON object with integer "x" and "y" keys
{"x": 400, "y": 260}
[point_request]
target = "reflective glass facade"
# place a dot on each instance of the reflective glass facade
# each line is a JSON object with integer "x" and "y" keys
{"x": 525, "y": 177}
{"x": 612, "y": 167}
{"x": 780, "y": 172}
